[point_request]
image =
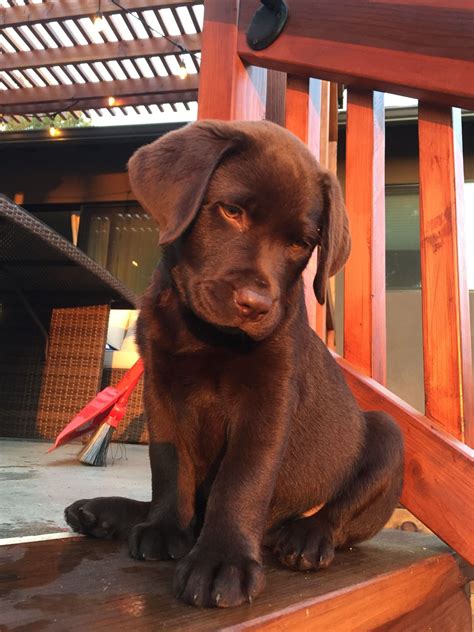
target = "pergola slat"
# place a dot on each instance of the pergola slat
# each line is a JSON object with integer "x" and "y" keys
{"x": 66, "y": 9}
{"x": 101, "y": 102}
{"x": 130, "y": 87}
{"x": 98, "y": 52}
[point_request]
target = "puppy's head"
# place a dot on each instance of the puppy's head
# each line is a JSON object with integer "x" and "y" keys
{"x": 243, "y": 204}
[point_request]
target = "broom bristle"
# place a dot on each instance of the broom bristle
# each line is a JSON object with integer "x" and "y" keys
{"x": 95, "y": 452}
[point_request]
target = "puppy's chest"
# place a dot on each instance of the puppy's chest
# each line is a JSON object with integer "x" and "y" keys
{"x": 194, "y": 383}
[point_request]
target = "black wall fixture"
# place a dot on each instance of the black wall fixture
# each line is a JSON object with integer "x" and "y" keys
{"x": 267, "y": 24}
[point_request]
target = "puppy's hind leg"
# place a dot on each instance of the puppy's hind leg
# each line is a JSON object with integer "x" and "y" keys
{"x": 361, "y": 508}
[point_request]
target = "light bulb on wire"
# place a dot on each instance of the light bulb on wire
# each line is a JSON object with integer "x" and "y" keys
{"x": 183, "y": 71}
{"x": 98, "y": 21}
{"x": 111, "y": 101}
{"x": 53, "y": 131}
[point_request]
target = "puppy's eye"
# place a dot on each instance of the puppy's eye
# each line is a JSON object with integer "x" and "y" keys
{"x": 234, "y": 215}
{"x": 231, "y": 212}
{"x": 299, "y": 247}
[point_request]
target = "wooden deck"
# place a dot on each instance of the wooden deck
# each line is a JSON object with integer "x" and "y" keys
{"x": 84, "y": 584}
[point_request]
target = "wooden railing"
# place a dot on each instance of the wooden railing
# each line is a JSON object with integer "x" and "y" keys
{"x": 424, "y": 49}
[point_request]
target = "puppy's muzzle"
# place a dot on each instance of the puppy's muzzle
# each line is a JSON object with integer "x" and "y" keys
{"x": 252, "y": 305}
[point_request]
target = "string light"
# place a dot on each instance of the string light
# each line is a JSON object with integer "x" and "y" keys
{"x": 111, "y": 101}
{"x": 53, "y": 131}
{"x": 98, "y": 19}
{"x": 183, "y": 71}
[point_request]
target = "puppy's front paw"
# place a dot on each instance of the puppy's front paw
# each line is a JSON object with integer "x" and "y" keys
{"x": 105, "y": 517}
{"x": 205, "y": 578}
{"x": 152, "y": 541}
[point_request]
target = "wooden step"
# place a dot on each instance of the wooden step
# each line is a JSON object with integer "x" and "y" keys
{"x": 397, "y": 581}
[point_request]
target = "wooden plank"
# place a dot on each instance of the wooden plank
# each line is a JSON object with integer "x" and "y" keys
{"x": 333, "y": 135}
{"x": 380, "y": 604}
{"x": 99, "y": 52}
{"x": 321, "y": 320}
{"x": 439, "y": 469}
{"x": 128, "y": 87}
{"x": 101, "y": 102}
{"x": 364, "y": 276}
{"x": 75, "y": 9}
{"x": 228, "y": 89}
{"x": 56, "y": 578}
{"x": 303, "y": 118}
{"x": 422, "y": 49}
{"x": 275, "y": 101}
{"x": 446, "y": 326}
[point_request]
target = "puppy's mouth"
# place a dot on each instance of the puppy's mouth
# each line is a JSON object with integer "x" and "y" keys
{"x": 235, "y": 312}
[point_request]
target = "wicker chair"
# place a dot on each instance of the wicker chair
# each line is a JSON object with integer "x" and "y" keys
{"x": 54, "y": 306}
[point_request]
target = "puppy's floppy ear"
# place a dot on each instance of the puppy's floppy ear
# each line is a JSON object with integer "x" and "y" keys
{"x": 335, "y": 241}
{"x": 170, "y": 176}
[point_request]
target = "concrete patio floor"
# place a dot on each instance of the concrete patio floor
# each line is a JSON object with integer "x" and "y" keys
{"x": 35, "y": 486}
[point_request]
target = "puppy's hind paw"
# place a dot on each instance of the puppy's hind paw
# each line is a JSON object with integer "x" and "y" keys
{"x": 305, "y": 544}
{"x": 151, "y": 541}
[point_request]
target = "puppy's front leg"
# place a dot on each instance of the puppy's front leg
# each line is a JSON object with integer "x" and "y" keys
{"x": 224, "y": 567}
{"x": 167, "y": 532}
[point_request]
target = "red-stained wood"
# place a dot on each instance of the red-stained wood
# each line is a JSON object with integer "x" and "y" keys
{"x": 364, "y": 280}
{"x": 229, "y": 89}
{"x": 78, "y": 584}
{"x": 422, "y": 49}
{"x": 275, "y": 103}
{"x": 303, "y": 118}
{"x": 439, "y": 470}
{"x": 321, "y": 315}
{"x": 386, "y": 604}
{"x": 446, "y": 326}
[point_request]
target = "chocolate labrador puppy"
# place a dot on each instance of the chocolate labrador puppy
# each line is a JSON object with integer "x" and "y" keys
{"x": 255, "y": 437}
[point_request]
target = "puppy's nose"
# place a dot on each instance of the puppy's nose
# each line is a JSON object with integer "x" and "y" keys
{"x": 252, "y": 304}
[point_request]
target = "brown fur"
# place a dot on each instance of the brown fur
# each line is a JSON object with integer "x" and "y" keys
{"x": 251, "y": 423}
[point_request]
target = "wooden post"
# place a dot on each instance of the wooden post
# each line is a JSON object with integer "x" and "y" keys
{"x": 364, "y": 281}
{"x": 303, "y": 118}
{"x": 229, "y": 89}
{"x": 446, "y": 327}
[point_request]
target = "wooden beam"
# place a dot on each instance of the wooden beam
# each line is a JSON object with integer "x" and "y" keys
{"x": 68, "y": 9}
{"x": 129, "y": 87}
{"x": 99, "y": 52}
{"x": 100, "y": 102}
{"x": 445, "y": 297}
{"x": 439, "y": 469}
{"x": 421, "y": 49}
{"x": 364, "y": 274}
{"x": 228, "y": 88}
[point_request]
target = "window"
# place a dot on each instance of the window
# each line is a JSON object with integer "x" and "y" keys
{"x": 123, "y": 239}
{"x": 402, "y": 232}
{"x": 402, "y": 235}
